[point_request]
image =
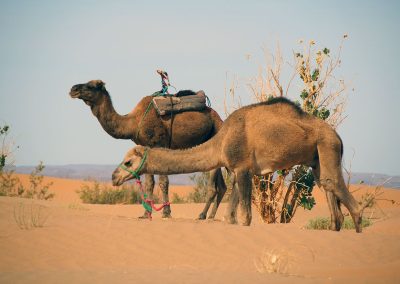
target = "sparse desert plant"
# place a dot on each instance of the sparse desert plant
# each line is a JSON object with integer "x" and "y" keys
{"x": 201, "y": 180}
{"x": 323, "y": 223}
{"x": 176, "y": 199}
{"x": 273, "y": 261}
{"x": 322, "y": 94}
{"x": 37, "y": 189}
{"x": 102, "y": 193}
{"x": 200, "y": 187}
{"x": 10, "y": 185}
{"x": 30, "y": 216}
{"x": 77, "y": 206}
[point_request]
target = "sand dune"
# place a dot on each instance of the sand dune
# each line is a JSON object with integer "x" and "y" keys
{"x": 82, "y": 243}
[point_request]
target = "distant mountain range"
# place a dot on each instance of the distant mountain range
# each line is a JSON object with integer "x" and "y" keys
{"x": 103, "y": 173}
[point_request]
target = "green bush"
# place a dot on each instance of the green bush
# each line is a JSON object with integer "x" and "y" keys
{"x": 97, "y": 193}
{"x": 176, "y": 199}
{"x": 323, "y": 223}
{"x": 200, "y": 188}
{"x": 10, "y": 185}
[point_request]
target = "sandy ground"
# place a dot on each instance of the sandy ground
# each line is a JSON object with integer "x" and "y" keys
{"x": 82, "y": 243}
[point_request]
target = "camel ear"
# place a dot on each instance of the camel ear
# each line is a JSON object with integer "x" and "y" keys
{"x": 96, "y": 84}
{"x": 138, "y": 151}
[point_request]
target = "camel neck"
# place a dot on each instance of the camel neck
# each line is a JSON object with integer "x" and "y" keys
{"x": 116, "y": 125}
{"x": 202, "y": 158}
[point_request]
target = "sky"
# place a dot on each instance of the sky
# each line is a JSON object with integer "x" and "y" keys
{"x": 48, "y": 46}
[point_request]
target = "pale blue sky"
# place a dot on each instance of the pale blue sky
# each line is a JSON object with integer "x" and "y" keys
{"x": 48, "y": 46}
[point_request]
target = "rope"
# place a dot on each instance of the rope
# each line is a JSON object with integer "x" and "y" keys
{"x": 147, "y": 203}
{"x": 143, "y": 116}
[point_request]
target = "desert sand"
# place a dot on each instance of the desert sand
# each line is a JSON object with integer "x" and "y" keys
{"x": 81, "y": 243}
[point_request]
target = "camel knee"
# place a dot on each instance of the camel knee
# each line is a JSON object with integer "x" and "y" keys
{"x": 163, "y": 182}
{"x": 327, "y": 184}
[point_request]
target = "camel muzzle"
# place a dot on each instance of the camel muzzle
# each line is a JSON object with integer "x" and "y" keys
{"x": 75, "y": 91}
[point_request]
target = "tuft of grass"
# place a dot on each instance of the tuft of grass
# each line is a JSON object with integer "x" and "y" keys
{"x": 323, "y": 223}
{"x": 102, "y": 193}
{"x": 77, "y": 206}
{"x": 176, "y": 199}
{"x": 29, "y": 217}
{"x": 273, "y": 261}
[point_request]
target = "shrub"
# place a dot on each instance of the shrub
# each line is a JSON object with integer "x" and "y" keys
{"x": 10, "y": 185}
{"x": 323, "y": 223}
{"x": 176, "y": 199}
{"x": 97, "y": 193}
{"x": 28, "y": 217}
{"x": 200, "y": 189}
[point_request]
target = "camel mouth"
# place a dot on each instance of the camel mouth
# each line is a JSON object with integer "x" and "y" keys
{"x": 117, "y": 182}
{"x": 74, "y": 94}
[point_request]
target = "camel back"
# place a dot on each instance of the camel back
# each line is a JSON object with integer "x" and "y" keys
{"x": 182, "y": 101}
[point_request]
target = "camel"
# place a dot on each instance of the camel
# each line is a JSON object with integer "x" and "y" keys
{"x": 145, "y": 127}
{"x": 257, "y": 140}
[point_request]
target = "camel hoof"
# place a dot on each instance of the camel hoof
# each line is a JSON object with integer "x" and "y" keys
{"x": 144, "y": 216}
{"x": 230, "y": 220}
{"x": 166, "y": 216}
{"x": 202, "y": 216}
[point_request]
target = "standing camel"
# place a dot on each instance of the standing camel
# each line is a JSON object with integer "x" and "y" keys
{"x": 257, "y": 140}
{"x": 145, "y": 127}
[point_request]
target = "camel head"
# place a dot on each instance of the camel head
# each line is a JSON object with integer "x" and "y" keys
{"x": 130, "y": 164}
{"x": 91, "y": 93}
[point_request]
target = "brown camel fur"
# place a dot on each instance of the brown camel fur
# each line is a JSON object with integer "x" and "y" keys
{"x": 188, "y": 129}
{"x": 257, "y": 140}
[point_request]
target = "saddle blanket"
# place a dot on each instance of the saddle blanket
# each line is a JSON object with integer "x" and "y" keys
{"x": 171, "y": 104}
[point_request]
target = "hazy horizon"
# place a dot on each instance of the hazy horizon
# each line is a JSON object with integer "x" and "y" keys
{"x": 49, "y": 46}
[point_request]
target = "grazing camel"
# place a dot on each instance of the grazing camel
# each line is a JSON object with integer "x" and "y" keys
{"x": 257, "y": 140}
{"x": 145, "y": 127}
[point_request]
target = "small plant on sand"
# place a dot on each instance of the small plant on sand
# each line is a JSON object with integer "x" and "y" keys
{"x": 200, "y": 181}
{"x": 30, "y": 216}
{"x": 10, "y": 184}
{"x": 101, "y": 193}
{"x": 273, "y": 261}
{"x": 77, "y": 206}
{"x": 324, "y": 223}
{"x": 200, "y": 187}
{"x": 37, "y": 189}
{"x": 176, "y": 199}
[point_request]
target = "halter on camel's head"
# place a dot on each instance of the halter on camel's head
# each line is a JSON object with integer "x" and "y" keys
{"x": 131, "y": 166}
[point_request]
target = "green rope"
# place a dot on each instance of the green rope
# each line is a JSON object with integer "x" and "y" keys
{"x": 141, "y": 120}
{"x": 135, "y": 173}
{"x": 156, "y": 94}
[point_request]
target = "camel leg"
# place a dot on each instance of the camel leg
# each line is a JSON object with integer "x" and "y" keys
{"x": 333, "y": 204}
{"x": 164, "y": 183}
{"x": 149, "y": 188}
{"x": 211, "y": 193}
{"x": 244, "y": 189}
{"x": 220, "y": 188}
{"x": 332, "y": 180}
{"x": 231, "y": 210}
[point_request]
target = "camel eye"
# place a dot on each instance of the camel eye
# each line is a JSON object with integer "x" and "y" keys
{"x": 127, "y": 164}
